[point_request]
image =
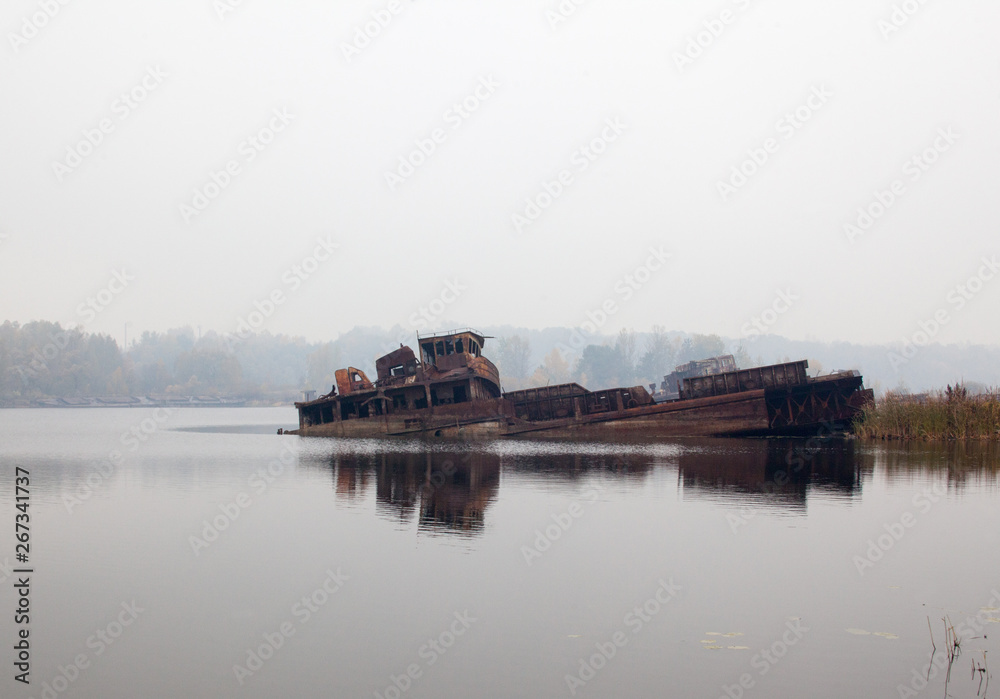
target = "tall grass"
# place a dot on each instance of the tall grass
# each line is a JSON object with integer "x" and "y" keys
{"x": 944, "y": 415}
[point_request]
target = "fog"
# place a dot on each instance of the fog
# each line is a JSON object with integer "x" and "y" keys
{"x": 824, "y": 171}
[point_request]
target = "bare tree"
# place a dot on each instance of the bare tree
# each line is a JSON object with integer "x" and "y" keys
{"x": 658, "y": 359}
{"x": 625, "y": 348}
{"x": 513, "y": 355}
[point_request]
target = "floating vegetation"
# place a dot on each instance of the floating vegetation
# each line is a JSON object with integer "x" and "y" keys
{"x": 944, "y": 415}
{"x": 713, "y": 644}
{"x": 863, "y": 632}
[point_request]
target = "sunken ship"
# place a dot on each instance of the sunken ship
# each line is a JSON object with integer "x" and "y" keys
{"x": 452, "y": 390}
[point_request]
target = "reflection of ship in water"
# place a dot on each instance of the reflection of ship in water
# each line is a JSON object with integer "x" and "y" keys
{"x": 455, "y": 495}
{"x": 449, "y": 491}
{"x": 569, "y": 467}
{"x": 779, "y": 473}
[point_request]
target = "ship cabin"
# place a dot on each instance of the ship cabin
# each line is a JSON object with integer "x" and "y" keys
{"x": 451, "y": 370}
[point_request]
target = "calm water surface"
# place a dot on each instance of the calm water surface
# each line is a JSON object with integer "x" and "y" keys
{"x": 214, "y": 558}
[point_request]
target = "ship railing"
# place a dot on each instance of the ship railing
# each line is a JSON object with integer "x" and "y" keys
{"x": 457, "y": 331}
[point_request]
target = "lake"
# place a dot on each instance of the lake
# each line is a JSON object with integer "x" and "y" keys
{"x": 196, "y": 553}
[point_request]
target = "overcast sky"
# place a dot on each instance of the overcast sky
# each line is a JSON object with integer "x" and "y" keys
{"x": 503, "y": 161}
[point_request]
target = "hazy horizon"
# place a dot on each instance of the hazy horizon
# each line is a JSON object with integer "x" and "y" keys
{"x": 396, "y": 163}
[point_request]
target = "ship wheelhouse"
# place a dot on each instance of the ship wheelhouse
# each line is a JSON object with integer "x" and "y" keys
{"x": 451, "y": 370}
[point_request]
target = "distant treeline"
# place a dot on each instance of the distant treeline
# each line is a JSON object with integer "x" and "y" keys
{"x": 627, "y": 360}
{"x": 44, "y": 360}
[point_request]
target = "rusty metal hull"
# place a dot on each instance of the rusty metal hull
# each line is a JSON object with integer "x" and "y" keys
{"x": 486, "y": 418}
{"x": 821, "y": 406}
{"x": 718, "y": 416}
{"x": 801, "y": 409}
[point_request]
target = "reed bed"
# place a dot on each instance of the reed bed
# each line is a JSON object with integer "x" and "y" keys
{"x": 951, "y": 414}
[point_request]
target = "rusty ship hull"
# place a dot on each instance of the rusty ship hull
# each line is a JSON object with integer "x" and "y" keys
{"x": 455, "y": 392}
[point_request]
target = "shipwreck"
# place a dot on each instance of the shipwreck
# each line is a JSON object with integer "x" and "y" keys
{"x": 452, "y": 390}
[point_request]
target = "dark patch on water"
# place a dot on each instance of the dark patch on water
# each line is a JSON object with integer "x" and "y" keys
{"x": 233, "y": 429}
